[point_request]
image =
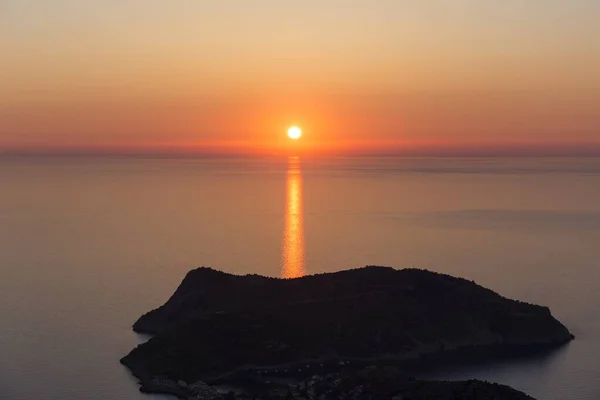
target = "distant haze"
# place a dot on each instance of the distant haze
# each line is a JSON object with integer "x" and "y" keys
{"x": 364, "y": 77}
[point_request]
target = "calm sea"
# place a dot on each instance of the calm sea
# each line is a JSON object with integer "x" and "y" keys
{"x": 89, "y": 244}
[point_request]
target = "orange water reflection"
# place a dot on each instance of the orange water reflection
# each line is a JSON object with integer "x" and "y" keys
{"x": 292, "y": 258}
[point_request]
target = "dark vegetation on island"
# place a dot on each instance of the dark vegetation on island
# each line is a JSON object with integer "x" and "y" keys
{"x": 332, "y": 336}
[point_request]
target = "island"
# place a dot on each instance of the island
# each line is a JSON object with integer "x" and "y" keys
{"x": 350, "y": 334}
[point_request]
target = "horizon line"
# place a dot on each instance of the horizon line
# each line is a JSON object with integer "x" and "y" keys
{"x": 367, "y": 150}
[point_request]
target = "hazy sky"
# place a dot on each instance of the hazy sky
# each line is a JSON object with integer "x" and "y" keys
{"x": 237, "y": 73}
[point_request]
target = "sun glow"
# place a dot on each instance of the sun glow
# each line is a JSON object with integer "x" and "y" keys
{"x": 294, "y": 132}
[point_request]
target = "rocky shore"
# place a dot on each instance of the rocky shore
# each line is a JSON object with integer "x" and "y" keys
{"x": 257, "y": 336}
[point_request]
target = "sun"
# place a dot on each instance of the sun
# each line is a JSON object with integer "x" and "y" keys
{"x": 294, "y": 132}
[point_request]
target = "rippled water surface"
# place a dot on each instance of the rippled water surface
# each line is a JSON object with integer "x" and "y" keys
{"x": 87, "y": 245}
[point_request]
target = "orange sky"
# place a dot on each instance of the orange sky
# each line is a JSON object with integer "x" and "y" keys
{"x": 232, "y": 76}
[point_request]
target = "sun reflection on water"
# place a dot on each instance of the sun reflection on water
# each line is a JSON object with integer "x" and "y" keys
{"x": 292, "y": 259}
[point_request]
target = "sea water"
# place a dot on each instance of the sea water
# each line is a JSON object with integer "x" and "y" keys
{"x": 89, "y": 244}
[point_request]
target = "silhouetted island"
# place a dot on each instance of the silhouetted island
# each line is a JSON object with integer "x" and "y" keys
{"x": 267, "y": 337}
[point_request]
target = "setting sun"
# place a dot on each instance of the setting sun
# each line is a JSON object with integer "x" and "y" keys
{"x": 294, "y": 132}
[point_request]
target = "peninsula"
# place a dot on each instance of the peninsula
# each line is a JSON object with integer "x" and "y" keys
{"x": 259, "y": 336}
